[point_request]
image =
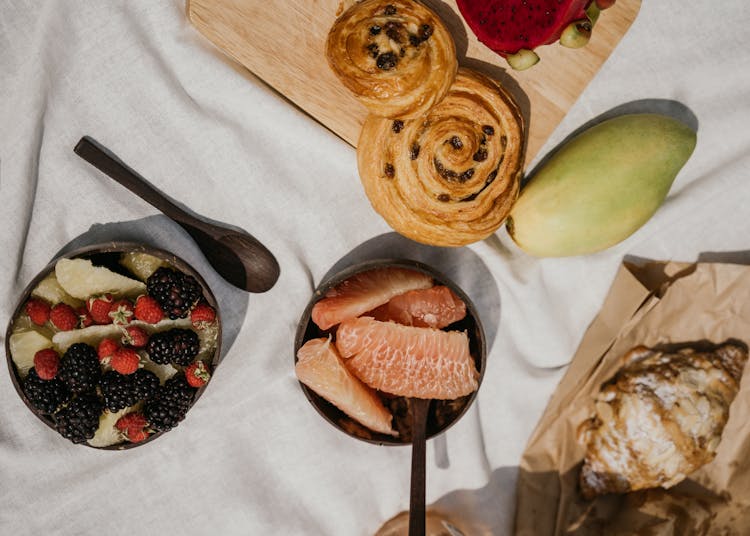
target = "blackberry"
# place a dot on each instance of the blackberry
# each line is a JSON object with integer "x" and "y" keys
{"x": 117, "y": 390}
{"x": 177, "y": 346}
{"x": 176, "y": 292}
{"x": 79, "y": 368}
{"x": 170, "y": 404}
{"x": 145, "y": 384}
{"x": 45, "y": 395}
{"x": 79, "y": 420}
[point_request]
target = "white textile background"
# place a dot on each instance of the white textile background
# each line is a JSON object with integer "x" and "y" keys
{"x": 253, "y": 457}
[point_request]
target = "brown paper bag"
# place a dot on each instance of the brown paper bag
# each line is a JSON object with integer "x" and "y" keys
{"x": 659, "y": 303}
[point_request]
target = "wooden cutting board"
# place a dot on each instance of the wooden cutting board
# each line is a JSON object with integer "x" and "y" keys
{"x": 283, "y": 43}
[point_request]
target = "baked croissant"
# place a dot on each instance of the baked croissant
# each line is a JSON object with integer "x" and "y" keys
{"x": 659, "y": 419}
{"x": 396, "y": 56}
{"x": 450, "y": 176}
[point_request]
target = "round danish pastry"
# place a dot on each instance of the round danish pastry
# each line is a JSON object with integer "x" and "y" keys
{"x": 450, "y": 176}
{"x": 396, "y": 56}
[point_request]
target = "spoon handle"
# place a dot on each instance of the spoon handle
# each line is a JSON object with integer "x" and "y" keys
{"x": 419, "y": 407}
{"x": 107, "y": 162}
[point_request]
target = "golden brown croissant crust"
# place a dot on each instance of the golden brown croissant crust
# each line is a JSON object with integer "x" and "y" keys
{"x": 659, "y": 419}
{"x": 396, "y": 56}
{"x": 450, "y": 176}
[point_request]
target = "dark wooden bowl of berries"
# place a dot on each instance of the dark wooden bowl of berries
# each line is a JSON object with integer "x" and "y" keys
{"x": 111, "y": 345}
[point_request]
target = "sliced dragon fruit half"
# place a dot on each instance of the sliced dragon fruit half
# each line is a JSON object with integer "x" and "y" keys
{"x": 514, "y": 28}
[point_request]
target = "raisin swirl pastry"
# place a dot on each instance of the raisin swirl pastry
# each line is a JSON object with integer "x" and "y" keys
{"x": 396, "y": 56}
{"x": 659, "y": 419}
{"x": 450, "y": 176}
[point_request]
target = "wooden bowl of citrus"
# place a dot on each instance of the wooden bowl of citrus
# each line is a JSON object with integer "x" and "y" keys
{"x": 379, "y": 333}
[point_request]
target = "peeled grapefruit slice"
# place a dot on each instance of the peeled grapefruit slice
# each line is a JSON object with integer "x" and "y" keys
{"x": 434, "y": 307}
{"x": 365, "y": 291}
{"x": 408, "y": 361}
{"x": 320, "y": 367}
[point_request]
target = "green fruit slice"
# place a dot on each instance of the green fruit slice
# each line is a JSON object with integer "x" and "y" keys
{"x": 107, "y": 435}
{"x": 23, "y": 345}
{"x": 93, "y": 335}
{"x": 142, "y": 265}
{"x": 523, "y": 59}
{"x": 81, "y": 279}
{"x": 50, "y": 290}
{"x": 163, "y": 372}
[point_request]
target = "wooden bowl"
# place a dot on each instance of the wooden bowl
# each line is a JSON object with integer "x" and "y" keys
{"x": 105, "y": 255}
{"x": 443, "y": 413}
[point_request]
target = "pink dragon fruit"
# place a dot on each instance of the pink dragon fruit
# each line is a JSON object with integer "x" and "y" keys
{"x": 514, "y": 28}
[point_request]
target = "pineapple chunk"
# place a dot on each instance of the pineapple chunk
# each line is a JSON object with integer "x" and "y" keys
{"x": 81, "y": 279}
{"x": 141, "y": 264}
{"x": 93, "y": 335}
{"x": 23, "y": 346}
{"x": 107, "y": 435}
{"x": 207, "y": 337}
{"x": 50, "y": 290}
{"x": 164, "y": 372}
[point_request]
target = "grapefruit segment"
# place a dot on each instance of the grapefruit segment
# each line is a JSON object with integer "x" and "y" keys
{"x": 365, "y": 291}
{"x": 406, "y": 360}
{"x": 435, "y": 307}
{"x": 320, "y": 368}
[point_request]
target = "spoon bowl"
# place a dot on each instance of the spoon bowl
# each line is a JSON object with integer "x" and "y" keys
{"x": 240, "y": 258}
{"x": 235, "y": 255}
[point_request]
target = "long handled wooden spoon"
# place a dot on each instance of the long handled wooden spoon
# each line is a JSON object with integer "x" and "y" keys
{"x": 235, "y": 255}
{"x": 419, "y": 408}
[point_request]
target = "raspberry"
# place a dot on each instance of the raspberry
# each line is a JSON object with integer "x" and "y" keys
{"x": 134, "y": 336}
{"x": 133, "y": 426}
{"x": 197, "y": 374}
{"x": 84, "y": 318}
{"x": 125, "y": 360}
{"x": 46, "y": 363}
{"x": 202, "y": 315}
{"x": 148, "y": 310}
{"x": 38, "y": 311}
{"x": 106, "y": 349}
{"x": 63, "y": 317}
{"x": 121, "y": 312}
{"x": 131, "y": 420}
{"x": 99, "y": 308}
{"x": 135, "y": 436}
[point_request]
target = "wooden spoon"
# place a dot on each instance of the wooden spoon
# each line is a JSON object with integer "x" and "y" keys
{"x": 419, "y": 408}
{"x": 235, "y": 255}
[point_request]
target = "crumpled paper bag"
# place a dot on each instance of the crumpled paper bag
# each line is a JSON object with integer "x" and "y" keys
{"x": 653, "y": 304}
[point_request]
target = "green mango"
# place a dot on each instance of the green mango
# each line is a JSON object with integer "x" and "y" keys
{"x": 601, "y": 186}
